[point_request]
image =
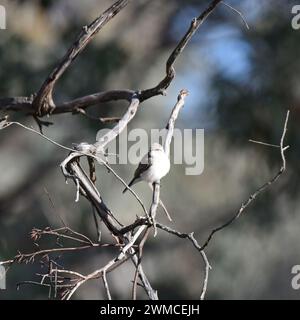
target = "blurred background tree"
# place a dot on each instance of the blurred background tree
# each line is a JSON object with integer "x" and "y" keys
{"x": 241, "y": 82}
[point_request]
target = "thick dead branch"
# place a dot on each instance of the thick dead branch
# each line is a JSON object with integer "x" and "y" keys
{"x": 43, "y": 102}
{"x": 93, "y": 195}
{"x": 130, "y": 238}
{"x": 122, "y": 124}
{"x": 25, "y": 104}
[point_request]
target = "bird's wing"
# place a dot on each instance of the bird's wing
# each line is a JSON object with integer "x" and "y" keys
{"x": 144, "y": 165}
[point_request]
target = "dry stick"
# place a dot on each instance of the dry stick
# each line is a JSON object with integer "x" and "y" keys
{"x": 81, "y": 279}
{"x": 111, "y": 170}
{"x": 260, "y": 189}
{"x": 78, "y": 105}
{"x": 99, "y": 119}
{"x": 28, "y": 104}
{"x": 22, "y": 104}
{"x": 137, "y": 269}
{"x": 120, "y": 258}
{"x": 171, "y": 123}
{"x": 264, "y": 143}
{"x": 53, "y": 207}
{"x": 106, "y": 286}
{"x": 156, "y": 185}
{"x": 152, "y": 294}
{"x": 32, "y": 282}
{"x": 73, "y": 273}
{"x": 238, "y": 12}
{"x": 97, "y": 224}
{"x": 243, "y": 207}
{"x": 162, "y": 205}
{"x": 165, "y": 210}
{"x": 110, "y": 266}
{"x": 122, "y": 124}
{"x": 43, "y": 102}
{"x": 154, "y": 204}
{"x": 29, "y": 257}
{"x": 37, "y": 233}
{"x": 73, "y": 156}
{"x": 192, "y": 239}
{"x": 67, "y": 229}
{"x": 98, "y": 148}
{"x": 94, "y": 193}
{"x": 8, "y": 124}
{"x": 205, "y": 281}
{"x": 170, "y": 70}
{"x": 93, "y": 178}
{"x": 170, "y": 127}
{"x": 116, "y": 232}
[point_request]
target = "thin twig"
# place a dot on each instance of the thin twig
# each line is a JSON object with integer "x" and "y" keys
{"x": 238, "y": 12}
{"x": 42, "y": 104}
{"x": 106, "y": 285}
{"x": 264, "y": 143}
{"x": 192, "y": 239}
{"x": 261, "y": 189}
{"x": 137, "y": 269}
{"x": 170, "y": 70}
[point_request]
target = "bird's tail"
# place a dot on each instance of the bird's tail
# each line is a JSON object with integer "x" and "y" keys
{"x": 131, "y": 183}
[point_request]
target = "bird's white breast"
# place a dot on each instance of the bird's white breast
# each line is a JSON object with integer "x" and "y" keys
{"x": 159, "y": 168}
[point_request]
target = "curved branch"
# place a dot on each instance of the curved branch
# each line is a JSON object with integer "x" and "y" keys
{"x": 170, "y": 70}
{"x": 43, "y": 102}
{"x": 261, "y": 189}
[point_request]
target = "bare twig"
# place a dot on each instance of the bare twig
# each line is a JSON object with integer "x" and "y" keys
{"x": 106, "y": 286}
{"x": 154, "y": 204}
{"x": 36, "y": 234}
{"x": 137, "y": 269}
{"x": 192, "y": 239}
{"x": 260, "y": 189}
{"x": 170, "y": 70}
{"x": 124, "y": 184}
{"x": 97, "y": 224}
{"x": 111, "y": 265}
{"x": 265, "y": 144}
{"x": 128, "y": 237}
{"x": 8, "y": 124}
{"x": 42, "y": 104}
{"x": 238, "y": 12}
{"x": 152, "y": 294}
{"x": 205, "y": 281}
{"x": 171, "y": 123}
{"x": 122, "y": 124}
{"x": 162, "y": 205}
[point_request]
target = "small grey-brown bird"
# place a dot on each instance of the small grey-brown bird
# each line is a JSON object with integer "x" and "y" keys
{"x": 153, "y": 166}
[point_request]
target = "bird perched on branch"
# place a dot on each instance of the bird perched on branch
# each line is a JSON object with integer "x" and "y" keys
{"x": 153, "y": 166}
